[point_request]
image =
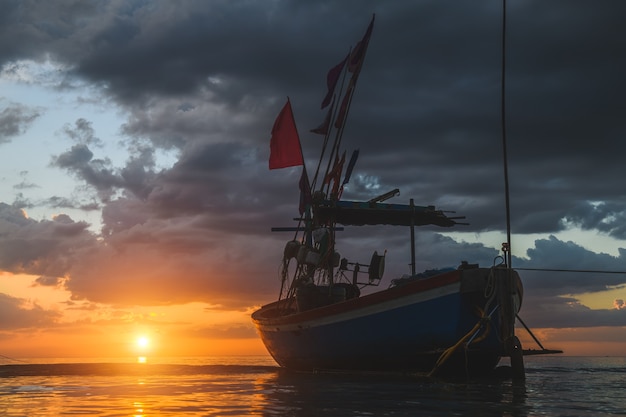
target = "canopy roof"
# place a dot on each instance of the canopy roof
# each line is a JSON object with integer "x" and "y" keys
{"x": 357, "y": 213}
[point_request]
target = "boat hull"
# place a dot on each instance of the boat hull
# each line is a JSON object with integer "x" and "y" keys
{"x": 404, "y": 329}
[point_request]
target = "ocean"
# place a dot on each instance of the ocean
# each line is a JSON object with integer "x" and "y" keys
{"x": 247, "y": 386}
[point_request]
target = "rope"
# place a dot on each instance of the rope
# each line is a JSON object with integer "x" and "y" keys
{"x": 12, "y": 359}
{"x": 451, "y": 350}
{"x": 571, "y": 270}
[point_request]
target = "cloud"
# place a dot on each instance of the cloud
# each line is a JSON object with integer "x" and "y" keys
{"x": 223, "y": 332}
{"x": 554, "y": 254}
{"x": 567, "y": 312}
{"x": 15, "y": 119}
{"x": 434, "y": 107}
{"x": 607, "y": 217}
{"x": 95, "y": 172}
{"x": 40, "y": 248}
{"x": 204, "y": 82}
{"x": 49, "y": 281}
{"x": 19, "y": 314}
{"x": 82, "y": 133}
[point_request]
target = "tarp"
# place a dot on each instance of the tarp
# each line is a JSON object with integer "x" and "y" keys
{"x": 357, "y": 213}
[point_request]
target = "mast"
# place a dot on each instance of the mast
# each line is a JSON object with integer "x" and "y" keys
{"x": 354, "y": 63}
{"x": 412, "y": 204}
{"x": 512, "y": 344}
{"x": 504, "y": 150}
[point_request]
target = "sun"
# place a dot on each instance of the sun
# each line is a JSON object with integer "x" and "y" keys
{"x": 142, "y": 342}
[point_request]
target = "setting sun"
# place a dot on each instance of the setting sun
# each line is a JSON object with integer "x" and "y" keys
{"x": 143, "y": 342}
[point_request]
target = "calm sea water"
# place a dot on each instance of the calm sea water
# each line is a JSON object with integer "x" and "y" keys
{"x": 243, "y": 386}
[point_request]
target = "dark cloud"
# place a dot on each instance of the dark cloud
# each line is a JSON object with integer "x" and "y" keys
{"x": 16, "y": 313}
{"x": 15, "y": 119}
{"x": 607, "y": 217}
{"x": 205, "y": 80}
{"x": 97, "y": 173}
{"x": 60, "y": 202}
{"x": 221, "y": 332}
{"x": 39, "y": 247}
{"x": 49, "y": 281}
{"x": 24, "y": 184}
{"x": 41, "y": 28}
{"x": 82, "y": 132}
{"x": 554, "y": 254}
{"x": 561, "y": 312}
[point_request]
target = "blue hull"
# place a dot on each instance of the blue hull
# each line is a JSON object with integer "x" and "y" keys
{"x": 405, "y": 328}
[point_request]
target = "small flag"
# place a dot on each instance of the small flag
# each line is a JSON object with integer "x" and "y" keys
{"x": 335, "y": 174}
{"x": 305, "y": 192}
{"x": 331, "y": 81}
{"x": 353, "y": 158}
{"x": 358, "y": 53}
{"x": 323, "y": 128}
{"x": 285, "y": 149}
{"x": 346, "y": 179}
{"x": 345, "y": 103}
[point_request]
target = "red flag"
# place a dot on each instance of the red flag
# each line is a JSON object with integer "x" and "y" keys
{"x": 331, "y": 80}
{"x": 285, "y": 150}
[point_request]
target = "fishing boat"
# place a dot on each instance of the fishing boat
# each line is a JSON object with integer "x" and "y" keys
{"x": 448, "y": 321}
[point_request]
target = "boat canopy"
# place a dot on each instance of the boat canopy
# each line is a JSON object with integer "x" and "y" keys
{"x": 359, "y": 213}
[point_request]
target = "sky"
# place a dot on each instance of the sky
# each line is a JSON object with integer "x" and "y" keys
{"x": 136, "y": 199}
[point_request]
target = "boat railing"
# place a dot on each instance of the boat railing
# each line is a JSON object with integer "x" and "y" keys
{"x": 374, "y": 271}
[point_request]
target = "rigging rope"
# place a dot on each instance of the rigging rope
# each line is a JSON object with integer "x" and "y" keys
{"x": 593, "y": 271}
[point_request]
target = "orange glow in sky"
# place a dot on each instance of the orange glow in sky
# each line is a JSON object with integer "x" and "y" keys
{"x": 136, "y": 206}
{"x": 64, "y": 328}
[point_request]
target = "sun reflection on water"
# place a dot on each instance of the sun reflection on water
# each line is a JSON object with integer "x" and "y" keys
{"x": 138, "y": 406}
